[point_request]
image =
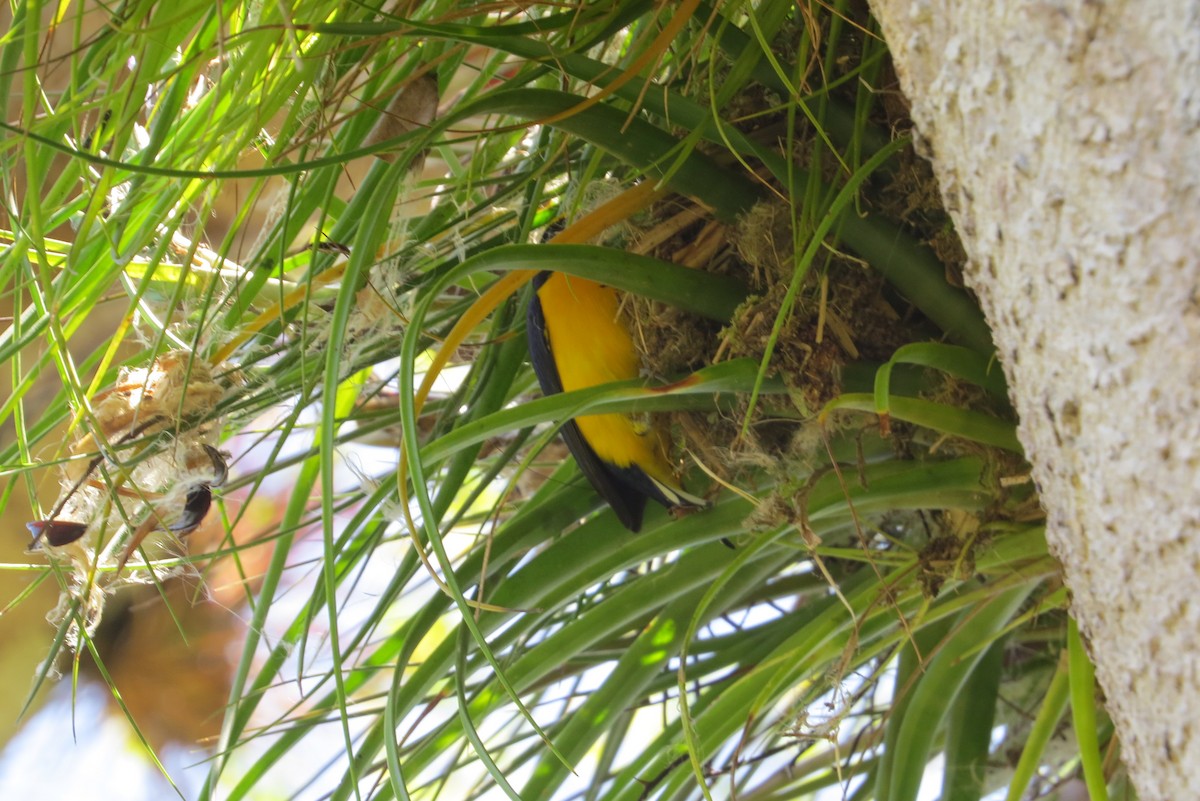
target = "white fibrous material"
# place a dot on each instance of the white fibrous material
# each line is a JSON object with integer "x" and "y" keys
{"x": 142, "y": 475}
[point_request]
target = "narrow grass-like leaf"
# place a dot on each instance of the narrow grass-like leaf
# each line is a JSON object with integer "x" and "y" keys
{"x": 910, "y": 736}
{"x": 1083, "y": 713}
{"x": 951, "y": 420}
{"x": 956, "y": 361}
{"x": 969, "y": 728}
{"x": 1054, "y": 703}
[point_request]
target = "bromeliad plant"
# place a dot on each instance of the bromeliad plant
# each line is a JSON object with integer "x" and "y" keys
{"x": 869, "y": 589}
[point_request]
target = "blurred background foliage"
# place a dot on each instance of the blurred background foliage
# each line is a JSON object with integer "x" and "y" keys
{"x": 311, "y": 228}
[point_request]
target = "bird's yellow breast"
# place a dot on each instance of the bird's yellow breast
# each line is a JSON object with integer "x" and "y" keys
{"x": 592, "y": 346}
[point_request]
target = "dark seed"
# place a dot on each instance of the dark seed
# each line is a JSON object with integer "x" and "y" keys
{"x": 56, "y": 532}
{"x": 195, "y": 507}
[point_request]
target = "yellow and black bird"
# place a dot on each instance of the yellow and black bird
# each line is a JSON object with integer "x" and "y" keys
{"x": 576, "y": 340}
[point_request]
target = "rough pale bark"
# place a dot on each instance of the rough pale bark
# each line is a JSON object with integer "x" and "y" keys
{"x": 1066, "y": 137}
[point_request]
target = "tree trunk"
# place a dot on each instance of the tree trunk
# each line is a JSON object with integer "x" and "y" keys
{"x": 1066, "y": 138}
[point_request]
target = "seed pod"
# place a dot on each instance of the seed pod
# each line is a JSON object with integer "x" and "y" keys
{"x": 56, "y": 532}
